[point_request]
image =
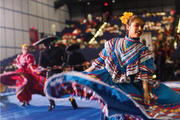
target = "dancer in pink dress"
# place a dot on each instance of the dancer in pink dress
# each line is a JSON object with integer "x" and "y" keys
{"x": 26, "y": 79}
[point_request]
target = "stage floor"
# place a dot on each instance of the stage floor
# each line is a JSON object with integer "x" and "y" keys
{"x": 10, "y": 108}
{"x": 38, "y": 110}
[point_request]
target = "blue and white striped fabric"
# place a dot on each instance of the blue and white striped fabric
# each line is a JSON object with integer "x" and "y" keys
{"x": 126, "y": 56}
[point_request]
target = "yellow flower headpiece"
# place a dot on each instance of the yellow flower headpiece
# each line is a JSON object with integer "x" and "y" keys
{"x": 125, "y": 17}
{"x": 24, "y": 46}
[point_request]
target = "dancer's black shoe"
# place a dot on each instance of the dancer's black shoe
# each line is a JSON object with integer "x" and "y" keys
{"x": 23, "y": 104}
{"x": 73, "y": 103}
{"x": 27, "y": 103}
{"x": 52, "y": 105}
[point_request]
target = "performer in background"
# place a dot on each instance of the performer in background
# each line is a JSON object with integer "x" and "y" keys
{"x": 25, "y": 62}
{"x": 75, "y": 59}
{"x": 53, "y": 59}
{"x": 26, "y": 79}
{"x": 122, "y": 79}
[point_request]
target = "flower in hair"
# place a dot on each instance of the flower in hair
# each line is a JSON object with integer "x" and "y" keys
{"x": 24, "y": 46}
{"x": 125, "y": 17}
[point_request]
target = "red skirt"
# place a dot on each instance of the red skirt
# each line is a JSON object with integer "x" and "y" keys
{"x": 26, "y": 83}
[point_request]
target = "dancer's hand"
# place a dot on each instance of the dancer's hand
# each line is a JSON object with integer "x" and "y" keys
{"x": 147, "y": 98}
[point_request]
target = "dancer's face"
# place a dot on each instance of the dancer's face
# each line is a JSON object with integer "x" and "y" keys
{"x": 25, "y": 50}
{"x": 135, "y": 29}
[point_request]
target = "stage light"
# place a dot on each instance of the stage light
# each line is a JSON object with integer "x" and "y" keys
{"x": 175, "y": 45}
{"x": 178, "y": 28}
{"x": 105, "y": 4}
{"x": 154, "y": 76}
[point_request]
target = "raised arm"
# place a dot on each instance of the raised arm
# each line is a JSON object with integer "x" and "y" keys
{"x": 91, "y": 68}
{"x": 98, "y": 63}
